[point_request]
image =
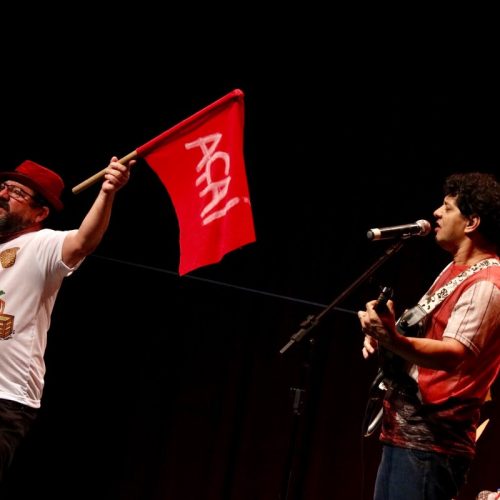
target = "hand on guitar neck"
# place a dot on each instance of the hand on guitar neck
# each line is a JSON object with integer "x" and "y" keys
{"x": 371, "y": 344}
{"x": 390, "y": 364}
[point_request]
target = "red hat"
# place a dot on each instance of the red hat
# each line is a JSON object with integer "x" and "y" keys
{"x": 45, "y": 182}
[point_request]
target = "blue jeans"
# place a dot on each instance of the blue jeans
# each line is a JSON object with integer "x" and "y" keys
{"x": 405, "y": 474}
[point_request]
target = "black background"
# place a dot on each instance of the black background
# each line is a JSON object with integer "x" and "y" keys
{"x": 168, "y": 387}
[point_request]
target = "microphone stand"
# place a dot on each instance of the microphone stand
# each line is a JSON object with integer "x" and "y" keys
{"x": 300, "y": 392}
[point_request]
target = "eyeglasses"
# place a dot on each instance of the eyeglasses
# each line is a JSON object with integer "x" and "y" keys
{"x": 16, "y": 192}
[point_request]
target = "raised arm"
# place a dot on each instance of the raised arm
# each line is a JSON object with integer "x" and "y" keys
{"x": 84, "y": 241}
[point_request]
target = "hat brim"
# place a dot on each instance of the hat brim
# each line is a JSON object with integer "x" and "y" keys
{"x": 54, "y": 202}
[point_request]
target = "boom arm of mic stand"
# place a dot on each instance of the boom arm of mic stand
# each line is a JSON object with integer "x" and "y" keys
{"x": 311, "y": 321}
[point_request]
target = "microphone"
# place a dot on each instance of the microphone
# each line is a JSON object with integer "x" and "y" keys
{"x": 419, "y": 228}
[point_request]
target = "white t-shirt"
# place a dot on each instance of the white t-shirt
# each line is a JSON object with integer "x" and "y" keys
{"x": 31, "y": 274}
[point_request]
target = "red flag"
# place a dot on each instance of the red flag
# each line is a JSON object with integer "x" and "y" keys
{"x": 200, "y": 162}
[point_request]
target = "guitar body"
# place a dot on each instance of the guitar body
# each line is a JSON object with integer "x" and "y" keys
{"x": 374, "y": 407}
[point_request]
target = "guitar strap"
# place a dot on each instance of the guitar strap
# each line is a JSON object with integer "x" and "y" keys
{"x": 412, "y": 316}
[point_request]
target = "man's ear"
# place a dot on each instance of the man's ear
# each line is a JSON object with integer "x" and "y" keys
{"x": 42, "y": 213}
{"x": 472, "y": 223}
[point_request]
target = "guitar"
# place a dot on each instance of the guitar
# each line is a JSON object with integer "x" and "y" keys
{"x": 374, "y": 408}
{"x": 391, "y": 366}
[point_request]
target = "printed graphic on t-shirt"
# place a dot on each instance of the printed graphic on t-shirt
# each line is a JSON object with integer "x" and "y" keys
{"x": 8, "y": 257}
{"x": 6, "y": 320}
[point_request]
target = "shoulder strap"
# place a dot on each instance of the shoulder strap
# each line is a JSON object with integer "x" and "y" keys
{"x": 429, "y": 302}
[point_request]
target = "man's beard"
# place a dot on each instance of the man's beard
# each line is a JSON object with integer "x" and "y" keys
{"x": 13, "y": 223}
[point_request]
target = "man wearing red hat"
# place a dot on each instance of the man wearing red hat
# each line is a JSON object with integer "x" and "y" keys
{"x": 33, "y": 262}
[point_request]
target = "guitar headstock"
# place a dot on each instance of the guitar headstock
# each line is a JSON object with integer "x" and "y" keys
{"x": 386, "y": 294}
